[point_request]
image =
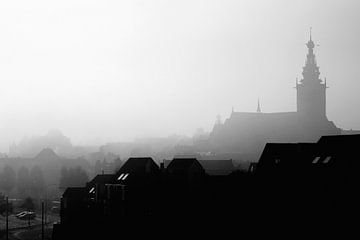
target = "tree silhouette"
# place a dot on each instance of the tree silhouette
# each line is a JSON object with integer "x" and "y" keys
{"x": 98, "y": 167}
{"x": 7, "y": 179}
{"x": 73, "y": 177}
{"x": 23, "y": 181}
{"x": 117, "y": 164}
{"x": 64, "y": 177}
{"x": 28, "y": 204}
{"x": 37, "y": 181}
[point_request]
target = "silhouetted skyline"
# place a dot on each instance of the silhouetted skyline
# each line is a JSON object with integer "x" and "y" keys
{"x": 114, "y": 71}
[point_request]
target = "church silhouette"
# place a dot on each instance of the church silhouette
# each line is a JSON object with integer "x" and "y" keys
{"x": 248, "y": 132}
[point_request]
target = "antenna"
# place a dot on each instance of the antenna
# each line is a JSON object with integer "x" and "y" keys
{"x": 258, "y": 110}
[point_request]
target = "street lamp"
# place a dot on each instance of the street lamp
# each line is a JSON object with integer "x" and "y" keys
{"x": 44, "y": 205}
{"x": 7, "y": 217}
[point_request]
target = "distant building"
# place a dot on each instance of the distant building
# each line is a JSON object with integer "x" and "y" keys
{"x": 247, "y": 132}
{"x": 350, "y": 132}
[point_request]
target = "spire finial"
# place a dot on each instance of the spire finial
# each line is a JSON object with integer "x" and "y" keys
{"x": 258, "y": 106}
{"x": 310, "y": 33}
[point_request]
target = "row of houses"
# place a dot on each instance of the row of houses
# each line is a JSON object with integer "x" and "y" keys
{"x": 290, "y": 181}
{"x": 140, "y": 192}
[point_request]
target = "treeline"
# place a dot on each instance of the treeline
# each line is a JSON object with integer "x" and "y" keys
{"x": 30, "y": 182}
{"x": 107, "y": 167}
{"x": 73, "y": 177}
{"x": 26, "y": 182}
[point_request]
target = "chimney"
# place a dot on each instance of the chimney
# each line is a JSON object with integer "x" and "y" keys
{"x": 162, "y": 166}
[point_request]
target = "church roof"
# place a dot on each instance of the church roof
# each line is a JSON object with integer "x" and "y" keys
{"x": 47, "y": 154}
{"x": 262, "y": 114}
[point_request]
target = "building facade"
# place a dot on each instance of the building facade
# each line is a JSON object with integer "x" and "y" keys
{"x": 248, "y": 132}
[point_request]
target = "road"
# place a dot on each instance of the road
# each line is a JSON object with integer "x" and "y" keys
{"x": 32, "y": 233}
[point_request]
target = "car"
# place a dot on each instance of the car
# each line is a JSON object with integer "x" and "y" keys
{"x": 20, "y": 214}
{"x": 27, "y": 215}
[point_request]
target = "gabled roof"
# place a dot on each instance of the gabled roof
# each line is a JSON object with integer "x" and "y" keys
{"x": 340, "y": 142}
{"x": 289, "y": 154}
{"x": 47, "y": 154}
{"x": 136, "y": 171}
{"x": 277, "y": 150}
{"x": 138, "y": 165}
{"x": 217, "y": 167}
{"x": 183, "y": 164}
{"x": 338, "y": 149}
{"x": 101, "y": 179}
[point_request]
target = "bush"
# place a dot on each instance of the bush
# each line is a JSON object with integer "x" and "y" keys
{"x": 3, "y": 208}
{"x": 28, "y": 204}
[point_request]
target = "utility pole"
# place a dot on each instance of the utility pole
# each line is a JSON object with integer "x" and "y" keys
{"x": 7, "y": 218}
{"x": 29, "y": 217}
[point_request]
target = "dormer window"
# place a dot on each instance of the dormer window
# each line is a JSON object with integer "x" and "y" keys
{"x": 316, "y": 160}
{"x": 119, "y": 178}
{"x": 327, "y": 159}
{"x": 123, "y": 176}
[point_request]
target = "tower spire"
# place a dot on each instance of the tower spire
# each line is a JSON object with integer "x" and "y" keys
{"x": 311, "y": 94}
{"x": 311, "y": 70}
{"x": 258, "y": 106}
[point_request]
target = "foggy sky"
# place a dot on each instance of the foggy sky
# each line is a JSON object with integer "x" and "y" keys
{"x": 115, "y": 70}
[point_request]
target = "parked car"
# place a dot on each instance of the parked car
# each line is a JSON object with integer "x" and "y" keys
{"x": 20, "y": 214}
{"x": 26, "y": 215}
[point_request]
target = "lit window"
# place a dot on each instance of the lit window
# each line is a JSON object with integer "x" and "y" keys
{"x": 125, "y": 176}
{"x": 277, "y": 161}
{"x": 119, "y": 178}
{"x": 327, "y": 159}
{"x": 92, "y": 190}
{"x": 316, "y": 160}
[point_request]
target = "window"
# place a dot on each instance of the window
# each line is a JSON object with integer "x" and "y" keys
{"x": 119, "y": 178}
{"x": 123, "y": 176}
{"x": 92, "y": 190}
{"x": 316, "y": 160}
{"x": 327, "y": 159}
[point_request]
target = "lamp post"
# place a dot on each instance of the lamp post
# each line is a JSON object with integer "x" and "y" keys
{"x": 7, "y": 217}
{"x": 44, "y": 202}
{"x": 29, "y": 217}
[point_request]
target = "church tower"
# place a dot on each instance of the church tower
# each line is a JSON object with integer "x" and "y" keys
{"x": 311, "y": 91}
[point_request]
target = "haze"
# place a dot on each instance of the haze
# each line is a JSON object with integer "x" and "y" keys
{"x": 105, "y": 71}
